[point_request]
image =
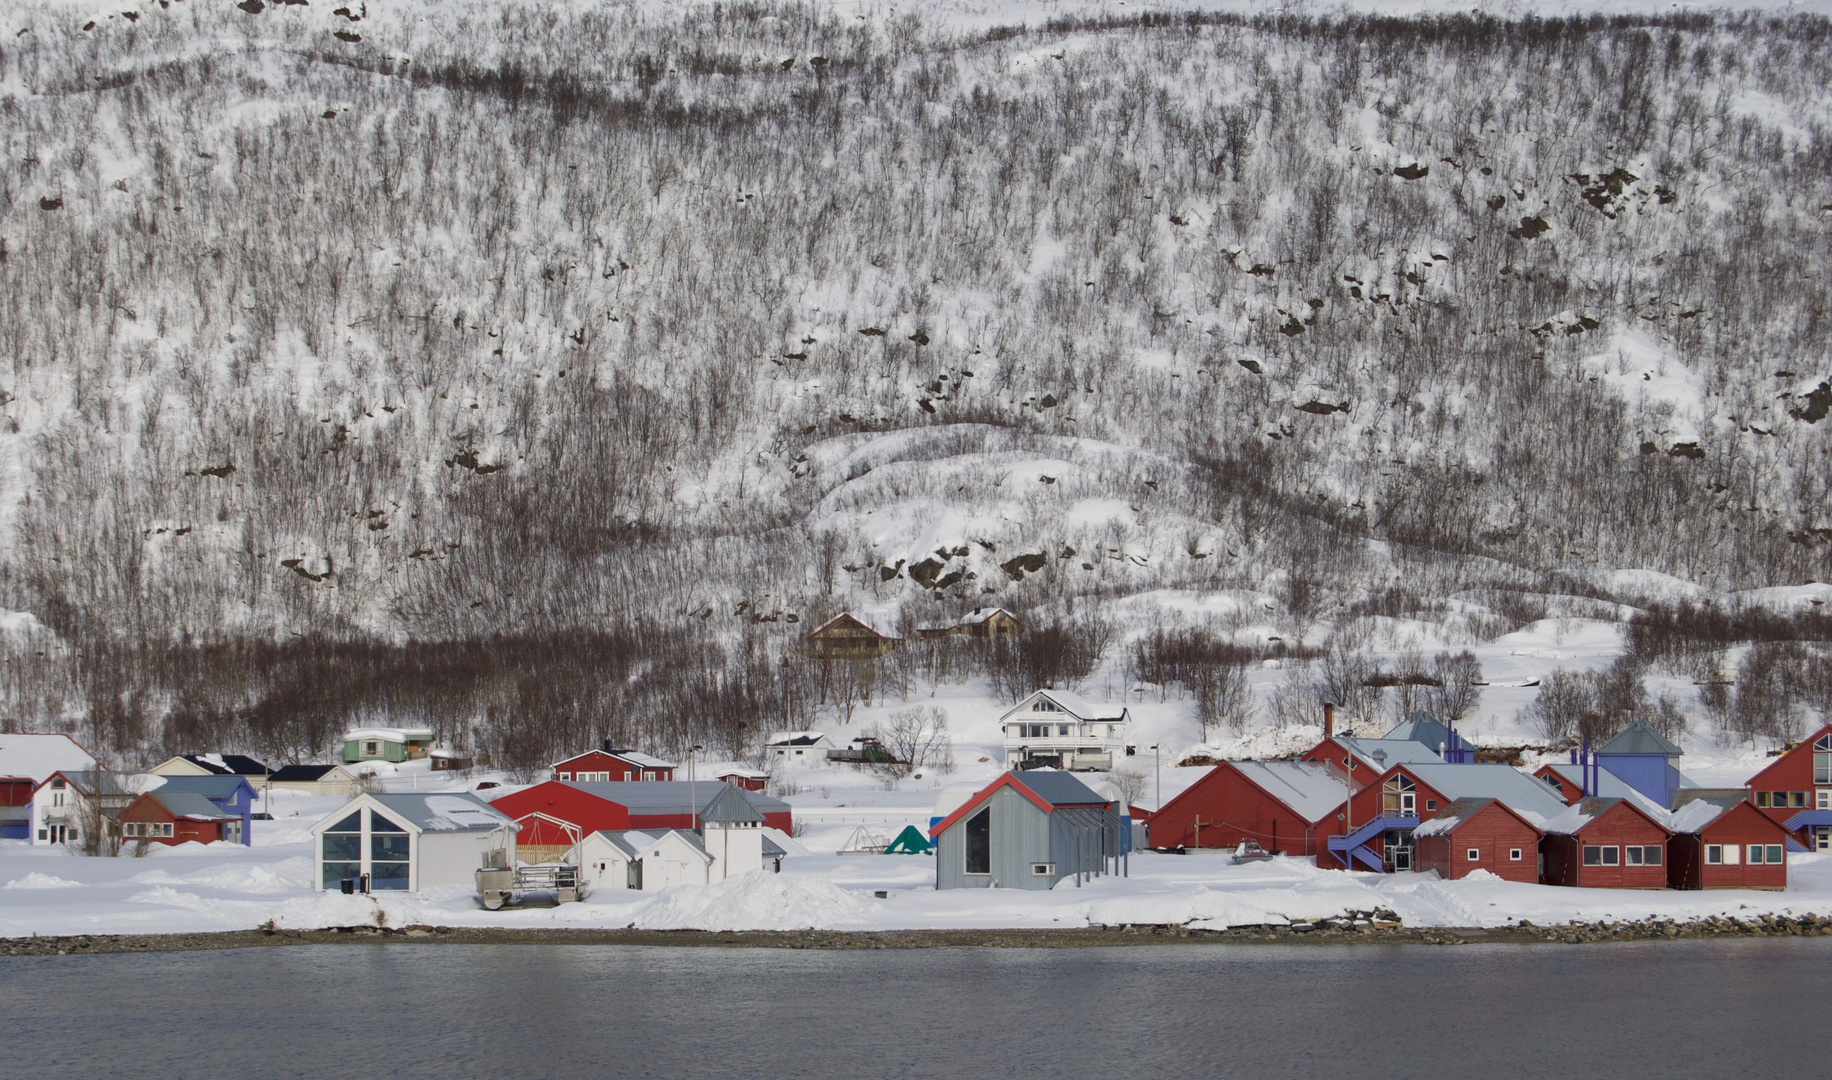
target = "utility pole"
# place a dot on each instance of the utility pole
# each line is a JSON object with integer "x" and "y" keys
{"x": 1157, "y": 767}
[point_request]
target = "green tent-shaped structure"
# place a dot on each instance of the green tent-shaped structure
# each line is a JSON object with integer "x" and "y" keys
{"x": 909, "y": 842}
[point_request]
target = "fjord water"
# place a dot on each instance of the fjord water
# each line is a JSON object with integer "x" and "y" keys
{"x": 1687, "y": 1009}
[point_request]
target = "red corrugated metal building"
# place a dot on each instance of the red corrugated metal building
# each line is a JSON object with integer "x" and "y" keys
{"x": 1733, "y": 846}
{"x": 1605, "y": 844}
{"x": 618, "y": 806}
{"x": 1280, "y": 805}
{"x": 1478, "y": 834}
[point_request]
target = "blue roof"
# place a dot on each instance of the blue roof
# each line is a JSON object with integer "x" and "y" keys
{"x": 1638, "y": 738}
{"x": 1057, "y": 788}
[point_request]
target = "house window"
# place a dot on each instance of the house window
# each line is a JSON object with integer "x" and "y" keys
{"x": 1822, "y": 760}
{"x": 390, "y": 849}
{"x": 372, "y": 749}
{"x": 1714, "y": 854}
{"x": 1473, "y": 855}
{"x": 1643, "y": 855}
{"x": 1399, "y": 797}
{"x": 1600, "y": 855}
{"x": 343, "y": 851}
{"x": 1042, "y": 869}
{"x": 1513, "y": 854}
{"x": 1062, "y": 729}
{"x": 626, "y": 772}
{"x": 1760, "y": 854}
{"x": 1431, "y": 804}
{"x": 979, "y": 842}
{"x": 649, "y": 774}
{"x": 1797, "y": 798}
{"x": 162, "y": 828}
{"x": 1762, "y": 798}
{"x": 566, "y": 776}
{"x": 1046, "y": 705}
{"x": 1774, "y": 854}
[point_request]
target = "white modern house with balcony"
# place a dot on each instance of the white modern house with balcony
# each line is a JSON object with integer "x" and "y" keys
{"x": 1060, "y": 730}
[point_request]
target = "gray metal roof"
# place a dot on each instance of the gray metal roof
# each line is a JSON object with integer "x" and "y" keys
{"x": 1452, "y": 816}
{"x": 85, "y": 781}
{"x": 1638, "y": 738}
{"x": 648, "y": 797}
{"x": 1305, "y": 786}
{"x": 1522, "y": 793}
{"x": 443, "y": 812}
{"x": 730, "y": 806}
{"x": 1057, "y": 788}
{"x": 1423, "y": 728}
{"x": 210, "y": 787}
{"x": 621, "y": 842}
{"x": 772, "y": 850}
{"x": 1609, "y": 786}
{"x": 189, "y": 804}
{"x": 1396, "y": 751}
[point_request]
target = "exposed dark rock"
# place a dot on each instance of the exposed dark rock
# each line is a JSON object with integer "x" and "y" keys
{"x": 1019, "y": 565}
{"x": 1818, "y": 402}
{"x": 1530, "y": 228}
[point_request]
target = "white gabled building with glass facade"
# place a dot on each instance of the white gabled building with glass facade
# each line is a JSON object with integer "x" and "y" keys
{"x": 408, "y": 841}
{"x": 1060, "y": 730}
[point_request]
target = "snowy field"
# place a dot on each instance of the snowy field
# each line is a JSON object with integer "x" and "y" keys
{"x": 198, "y": 888}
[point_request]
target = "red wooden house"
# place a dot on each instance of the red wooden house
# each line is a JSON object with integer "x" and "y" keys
{"x": 1372, "y": 757}
{"x": 619, "y": 807}
{"x": 609, "y": 764}
{"x": 1478, "y": 834}
{"x": 748, "y": 779}
{"x": 1280, "y": 805}
{"x": 178, "y": 817}
{"x": 1796, "y": 790}
{"x": 1606, "y": 844}
{"x": 1718, "y": 846}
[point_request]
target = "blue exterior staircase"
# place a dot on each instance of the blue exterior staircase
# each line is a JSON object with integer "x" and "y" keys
{"x": 1348, "y": 849}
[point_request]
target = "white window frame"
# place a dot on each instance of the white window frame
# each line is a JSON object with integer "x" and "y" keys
{"x": 1513, "y": 854}
{"x": 1042, "y": 869}
{"x": 1473, "y": 855}
{"x": 566, "y": 776}
{"x": 1714, "y": 854}
{"x": 1755, "y": 855}
{"x": 1777, "y": 854}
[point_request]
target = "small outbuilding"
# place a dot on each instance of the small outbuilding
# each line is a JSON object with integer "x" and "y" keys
{"x": 1478, "y": 834}
{"x": 180, "y": 817}
{"x": 1726, "y": 844}
{"x": 1027, "y": 830}
{"x": 387, "y": 744}
{"x": 799, "y": 746}
{"x": 316, "y": 780}
{"x": 408, "y": 841}
{"x": 1603, "y": 843}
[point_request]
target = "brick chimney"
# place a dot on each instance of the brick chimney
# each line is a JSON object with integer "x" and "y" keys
{"x": 1329, "y": 720}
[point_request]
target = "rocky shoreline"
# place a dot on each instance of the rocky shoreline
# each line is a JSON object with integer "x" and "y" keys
{"x": 1371, "y": 928}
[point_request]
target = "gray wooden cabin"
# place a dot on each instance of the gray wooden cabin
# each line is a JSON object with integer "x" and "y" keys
{"x": 1028, "y": 830}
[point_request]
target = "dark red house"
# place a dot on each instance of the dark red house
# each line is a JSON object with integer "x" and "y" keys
{"x": 1606, "y": 844}
{"x": 1718, "y": 846}
{"x": 748, "y": 779}
{"x": 1384, "y": 814}
{"x": 1280, "y": 805}
{"x": 1796, "y": 790}
{"x": 618, "y": 806}
{"x": 178, "y": 817}
{"x": 612, "y": 765}
{"x": 1478, "y": 834}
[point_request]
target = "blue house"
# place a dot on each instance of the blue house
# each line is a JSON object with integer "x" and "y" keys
{"x": 1644, "y": 761}
{"x": 229, "y": 794}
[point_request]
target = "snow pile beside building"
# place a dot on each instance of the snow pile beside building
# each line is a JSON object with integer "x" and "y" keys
{"x": 758, "y": 901}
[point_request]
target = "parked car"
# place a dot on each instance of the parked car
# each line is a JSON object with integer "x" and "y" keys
{"x": 485, "y": 785}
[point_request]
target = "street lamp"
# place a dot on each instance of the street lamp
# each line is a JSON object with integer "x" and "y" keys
{"x": 1157, "y": 767}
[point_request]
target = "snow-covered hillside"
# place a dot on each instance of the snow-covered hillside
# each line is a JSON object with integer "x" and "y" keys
{"x": 542, "y": 371}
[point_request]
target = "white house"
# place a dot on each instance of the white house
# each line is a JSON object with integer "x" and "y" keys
{"x": 1059, "y": 729}
{"x": 730, "y": 842}
{"x": 408, "y": 841}
{"x": 315, "y": 780}
{"x": 799, "y": 746}
{"x": 63, "y": 807}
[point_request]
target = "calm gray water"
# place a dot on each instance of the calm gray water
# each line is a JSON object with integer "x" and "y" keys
{"x": 1704, "y": 1009}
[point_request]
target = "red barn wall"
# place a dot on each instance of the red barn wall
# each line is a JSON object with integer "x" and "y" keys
{"x": 567, "y": 803}
{"x": 1231, "y": 809}
{"x": 1619, "y": 826}
{"x": 1742, "y": 826}
{"x": 1493, "y": 832}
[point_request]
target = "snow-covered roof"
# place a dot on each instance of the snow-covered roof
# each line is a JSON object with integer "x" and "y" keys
{"x": 1533, "y": 799}
{"x": 1610, "y": 786}
{"x": 1393, "y": 752}
{"x": 1638, "y": 738}
{"x": 1457, "y": 813}
{"x": 226, "y": 764}
{"x": 1699, "y": 813}
{"x": 387, "y": 734}
{"x": 979, "y": 615}
{"x": 1305, "y": 786}
{"x": 38, "y": 756}
{"x": 796, "y": 738}
{"x": 1589, "y": 809}
{"x": 748, "y": 774}
{"x": 637, "y": 757}
{"x": 622, "y": 841}
{"x": 1074, "y": 705}
{"x": 877, "y": 623}
{"x": 772, "y": 850}
{"x": 453, "y": 812}
{"x": 86, "y": 780}
{"x": 300, "y": 774}
{"x": 189, "y": 805}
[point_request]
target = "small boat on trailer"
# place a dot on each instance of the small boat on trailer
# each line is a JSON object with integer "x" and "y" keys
{"x": 1249, "y": 851}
